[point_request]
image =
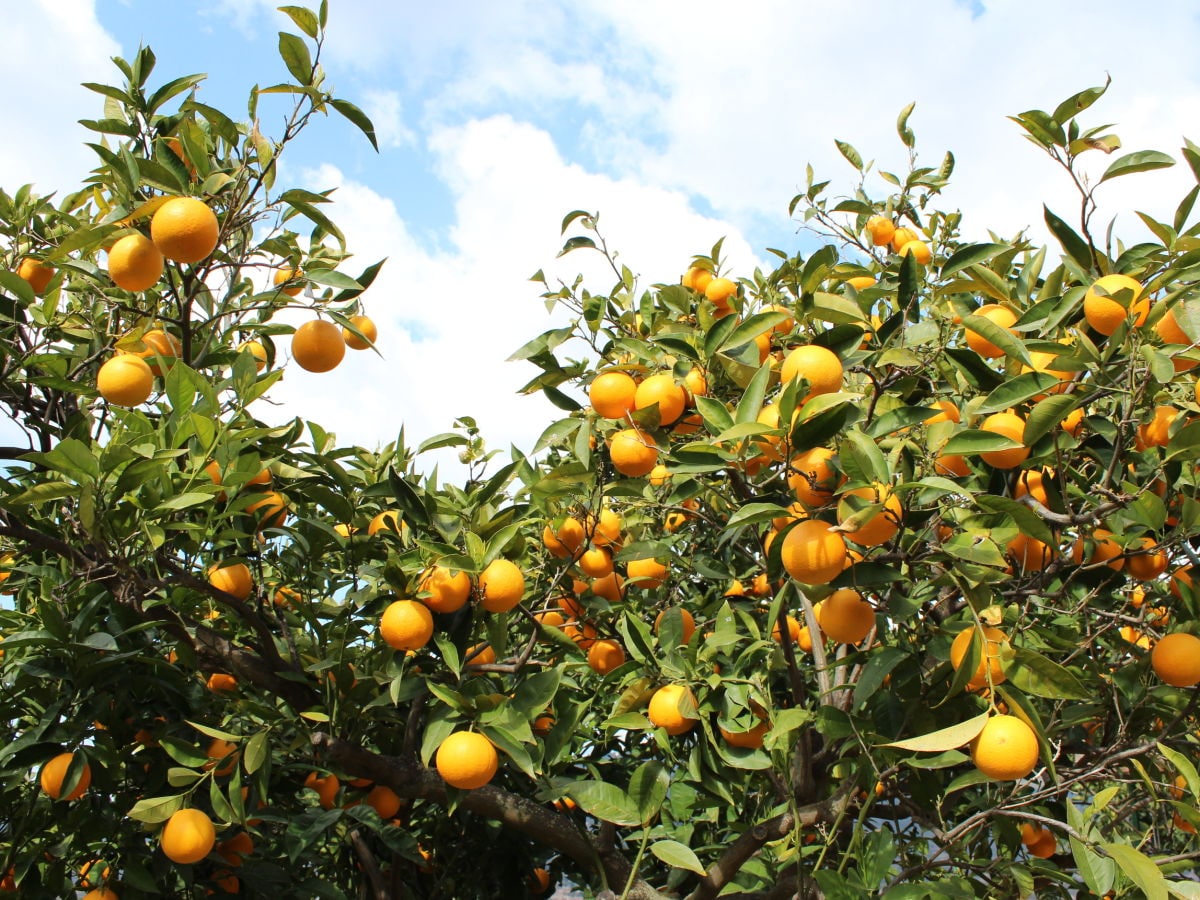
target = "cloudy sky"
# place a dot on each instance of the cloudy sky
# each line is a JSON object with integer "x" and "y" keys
{"x": 680, "y": 123}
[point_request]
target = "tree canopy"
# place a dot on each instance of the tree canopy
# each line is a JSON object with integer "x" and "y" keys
{"x": 868, "y": 574}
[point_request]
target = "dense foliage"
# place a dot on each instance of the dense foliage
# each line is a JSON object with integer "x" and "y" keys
{"x": 844, "y": 583}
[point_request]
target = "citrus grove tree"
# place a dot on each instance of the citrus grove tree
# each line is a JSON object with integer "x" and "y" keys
{"x": 871, "y": 574}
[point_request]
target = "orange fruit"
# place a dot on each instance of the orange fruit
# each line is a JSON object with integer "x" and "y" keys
{"x": 633, "y": 452}
{"x": 184, "y": 229}
{"x": 846, "y": 617}
{"x": 1011, "y": 426}
{"x": 881, "y": 229}
{"x": 611, "y": 587}
{"x": 1006, "y": 749}
{"x": 607, "y": 532}
{"x": 861, "y": 282}
{"x": 37, "y": 273}
{"x": 902, "y": 236}
{"x": 318, "y": 346}
{"x": 221, "y": 750}
{"x": 649, "y": 574}
{"x": 221, "y": 683}
{"x": 158, "y": 344}
{"x": 1169, "y": 329}
{"x": 687, "y": 623}
{"x": 582, "y": 633}
{"x": 134, "y": 263}
{"x": 793, "y": 628}
{"x": 232, "y": 578}
{"x": 1045, "y": 846}
{"x": 467, "y": 760}
{"x": 188, "y": 836}
{"x": 812, "y": 477}
{"x": 604, "y": 656}
{"x": 288, "y": 280}
{"x": 612, "y": 394}
{"x": 696, "y": 278}
{"x": 388, "y": 520}
{"x": 720, "y": 291}
{"x": 1148, "y": 564}
{"x": 659, "y": 475}
{"x": 234, "y": 850}
{"x": 882, "y": 526}
{"x": 326, "y": 788}
{"x": 1000, "y": 315}
{"x": 1176, "y": 659}
{"x": 269, "y": 510}
{"x": 1029, "y": 554}
{"x": 501, "y": 586}
{"x": 820, "y": 367}
{"x": 1156, "y": 432}
{"x": 662, "y": 390}
{"x": 596, "y": 562}
{"x": 951, "y": 465}
{"x": 665, "y": 710}
{"x": 125, "y": 380}
{"x": 100, "y": 894}
{"x": 695, "y": 382}
{"x": 54, "y": 773}
{"x": 812, "y": 553}
{"x": 257, "y": 350}
{"x": 89, "y": 878}
{"x": 406, "y": 625}
{"x": 480, "y": 655}
{"x": 919, "y": 249}
{"x": 1104, "y": 313}
{"x": 1104, "y": 550}
{"x": 750, "y": 740}
{"x": 448, "y": 591}
{"x": 368, "y": 329}
{"x": 994, "y": 642}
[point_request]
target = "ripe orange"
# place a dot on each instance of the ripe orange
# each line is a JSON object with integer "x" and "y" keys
{"x": 222, "y": 751}
{"x": 951, "y": 465}
{"x": 696, "y": 278}
{"x": 1011, "y": 426}
{"x": 1176, "y": 659}
{"x": 612, "y": 394}
{"x": 607, "y": 531}
{"x": 134, "y": 263}
{"x": 1006, "y": 749}
{"x": 221, "y": 683}
{"x": 467, "y": 760}
{"x": 665, "y": 711}
{"x": 449, "y": 591}
{"x": 604, "y": 656}
{"x": 269, "y": 510}
{"x": 880, "y": 527}
{"x": 720, "y": 291}
{"x": 1169, "y": 329}
{"x": 1105, "y": 313}
{"x": 820, "y": 367}
{"x": 234, "y": 850}
{"x": 861, "y": 282}
{"x": 611, "y": 587}
{"x": 793, "y": 628}
{"x": 232, "y": 578}
{"x": 1156, "y": 432}
{"x": 999, "y": 315}
{"x": 1045, "y": 846}
{"x": 649, "y": 574}
{"x": 184, "y": 229}
{"x": 687, "y": 623}
{"x": 406, "y": 625}
{"x": 90, "y": 876}
{"x": 881, "y": 229}
{"x": 188, "y": 836}
{"x": 480, "y": 655}
{"x": 501, "y": 586}
{"x": 1104, "y": 550}
{"x": 995, "y": 642}
{"x": 695, "y": 382}
{"x": 54, "y": 773}
{"x": 662, "y": 390}
{"x": 37, "y": 273}
{"x": 158, "y": 344}
{"x": 318, "y": 346}
{"x": 288, "y": 280}
{"x": 633, "y": 452}
{"x": 596, "y": 562}
{"x": 1029, "y": 554}
{"x": 812, "y": 477}
{"x": 919, "y": 249}
{"x": 846, "y": 616}
{"x": 368, "y": 329}
{"x": 125, "y": 380}
{"x": 101, "y": 894}
{"x": 750, "y": 740}
{"x": 1149, "y": 563}
{"x": 812, "y": 553}
{"x": 326, "y": 788}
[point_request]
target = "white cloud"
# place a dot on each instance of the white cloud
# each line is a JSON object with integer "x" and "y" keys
{"x": 385, "y": 109}
{"x": 449, "y": 318}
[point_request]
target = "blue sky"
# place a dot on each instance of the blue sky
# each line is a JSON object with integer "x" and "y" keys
{"x": 680, "y": 123}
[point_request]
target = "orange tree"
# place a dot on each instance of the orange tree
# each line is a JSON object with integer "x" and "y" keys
{"x": 867, "y": 575}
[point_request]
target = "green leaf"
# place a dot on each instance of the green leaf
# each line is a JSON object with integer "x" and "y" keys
{"x": 294, "y": 53}
{"x": 1077, "y": 103}
{"x": 215, "y": 732}
{"x": 1185, "y": 766}
{"x": 969, "y": 256}
{"x": 305, "y": 19}
{"x": 358, "y": 118}
{"x": 906, "y": 134}
{"x": 751, "y": 328}
{"x": 1046, "y": 414}
{"x": 678, "y": 855}
{"x": 1142, "y": 161}
{"x": 40, "y": 493}
{"x": 1016, "y": 391}
{"x": 648, "y": 789}
{"x": 605, "y": 801}
{"x": 971, "y": 442}
{"x": 153, "y": 810}
{"x": 852, "y": 155}
{"x": 946, "y": 738}
{"x": 1027, "y": 520}
{"x": 1001, "y": 337}
{"x": 256, "y": 752}
{"x": 1035, "y": 674}
{"x": 1075, "y": 246}
{"x": 1139, "y": 868}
